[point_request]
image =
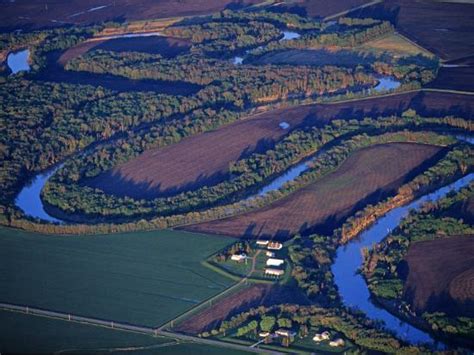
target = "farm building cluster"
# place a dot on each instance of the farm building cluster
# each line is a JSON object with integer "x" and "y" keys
{"x": 272, "y": 262}
{"x": 325, "y": 336}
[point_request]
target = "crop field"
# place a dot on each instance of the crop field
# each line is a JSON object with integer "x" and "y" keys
{"x": 459, "y": 78}
{"x": 31, "y": 14}
{"x": 441, "y": 275}
{"x": 168, "y": 47}
{"x": 22, "y": 333}
{"x": 322, "y": 8}
{"x": 314, "y": 57}
{"x": 204, "y": 159}
{"x": 251, "y": 296}
{"x": 198, "y": 160}
{"x": 444, "y": 28}
{"x": 321, "y": 206}
{"x": 54, "y": 72}
{"x": 140, "y": 278}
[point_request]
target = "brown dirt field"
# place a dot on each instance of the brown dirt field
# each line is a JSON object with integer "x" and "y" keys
{"x": 210, "y": 317}
{"x": 444, "y": 28}
{"x": 35, "y": 14}
{"x": 322, "y": 8}
{"x": 168, "y": 47}
{"x": 204, "y": 159}
{"x": 367, "y": 176}
{"x": 251, "y": 296}
{"x": 54, "y": 72}
{"x": 314, "y": 57}
{"x": 441, "y": 275}
{"x": 460, "y": 78}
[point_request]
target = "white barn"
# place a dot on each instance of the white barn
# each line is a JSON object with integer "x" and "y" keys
{"x": 275, "y": 262}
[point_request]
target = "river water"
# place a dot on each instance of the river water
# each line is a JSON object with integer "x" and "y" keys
{"x": 29, "y": 198}
{"x": 288, "y": 35}
{"x": 18, "y": 61}
{"x": 352, "y": 286}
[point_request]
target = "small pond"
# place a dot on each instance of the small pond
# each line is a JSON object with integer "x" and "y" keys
{"x": 18, "y": 61}
{"x": 288, "y": 35}
{"x": 386, "y": 83}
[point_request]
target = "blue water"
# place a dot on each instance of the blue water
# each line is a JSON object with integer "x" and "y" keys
{"x": 352, "y": 286}
{"x": 29, "y": 200}
{"x": 284, "y": 125}
{"x": 237, "y": 60}
{"x": 18, "y": 61}
{"x": 288, "y": 35}
{"x": 386, "y": 83}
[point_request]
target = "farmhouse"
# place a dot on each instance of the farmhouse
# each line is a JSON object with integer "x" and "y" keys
{"x": 274, "y": 272}
{"x": 319, "y": 337}
{"x": 262, "y": 242}
{"x": 337, "y": 342}
{"x": 275, "y": 262}
{"x": 274, "y": 246}
{"x": 238, "y": 257}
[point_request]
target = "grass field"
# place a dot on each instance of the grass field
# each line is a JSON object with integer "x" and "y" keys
{"x": 21, "y": 333}
{"x": 321, "y": 206}
{"x": 395, "y": 44}
{"x": 140, "y": 278}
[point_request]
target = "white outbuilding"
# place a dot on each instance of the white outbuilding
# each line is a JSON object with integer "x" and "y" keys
{"x": 275, "y": 262}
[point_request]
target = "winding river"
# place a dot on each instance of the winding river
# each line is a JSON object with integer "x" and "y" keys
{"x": 352, "y": 286}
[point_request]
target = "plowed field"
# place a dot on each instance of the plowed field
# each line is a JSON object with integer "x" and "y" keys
{"x": 441, "y": 275}
{"x": 204, "y": 159}
{"x": 365, "y": 177}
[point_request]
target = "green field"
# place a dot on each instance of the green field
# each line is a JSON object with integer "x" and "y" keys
{"x": 21, "y": 333}
{"x": 141, "y": 278}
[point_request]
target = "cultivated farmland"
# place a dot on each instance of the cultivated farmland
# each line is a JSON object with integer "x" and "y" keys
{"x": 38, "y": 14}
{"x": 153, "y": 276}
{"x": 322, "y": 8}
{"x": 168, "y": 47}
{"x": 443, "y": 27}
{"x": 441, "y": 275}
{"x": 204, "y": 159}
{"x": 325, "y": 203}
{"x": 46, "y": 335}
{"x": 251, "y": 296}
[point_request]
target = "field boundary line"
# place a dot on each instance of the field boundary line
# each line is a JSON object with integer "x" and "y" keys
{"x": 345, "y": 12}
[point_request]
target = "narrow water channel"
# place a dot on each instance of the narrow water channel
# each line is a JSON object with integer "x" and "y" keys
{"x": 29, "y": 198}
{"x": 352, "y": 286}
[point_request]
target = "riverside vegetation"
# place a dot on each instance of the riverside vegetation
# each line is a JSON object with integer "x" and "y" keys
{"x": 386, "y": 268}
{"x": 90, "y": 129}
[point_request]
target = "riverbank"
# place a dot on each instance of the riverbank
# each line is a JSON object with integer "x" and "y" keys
{"x": 352, "y": 285}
